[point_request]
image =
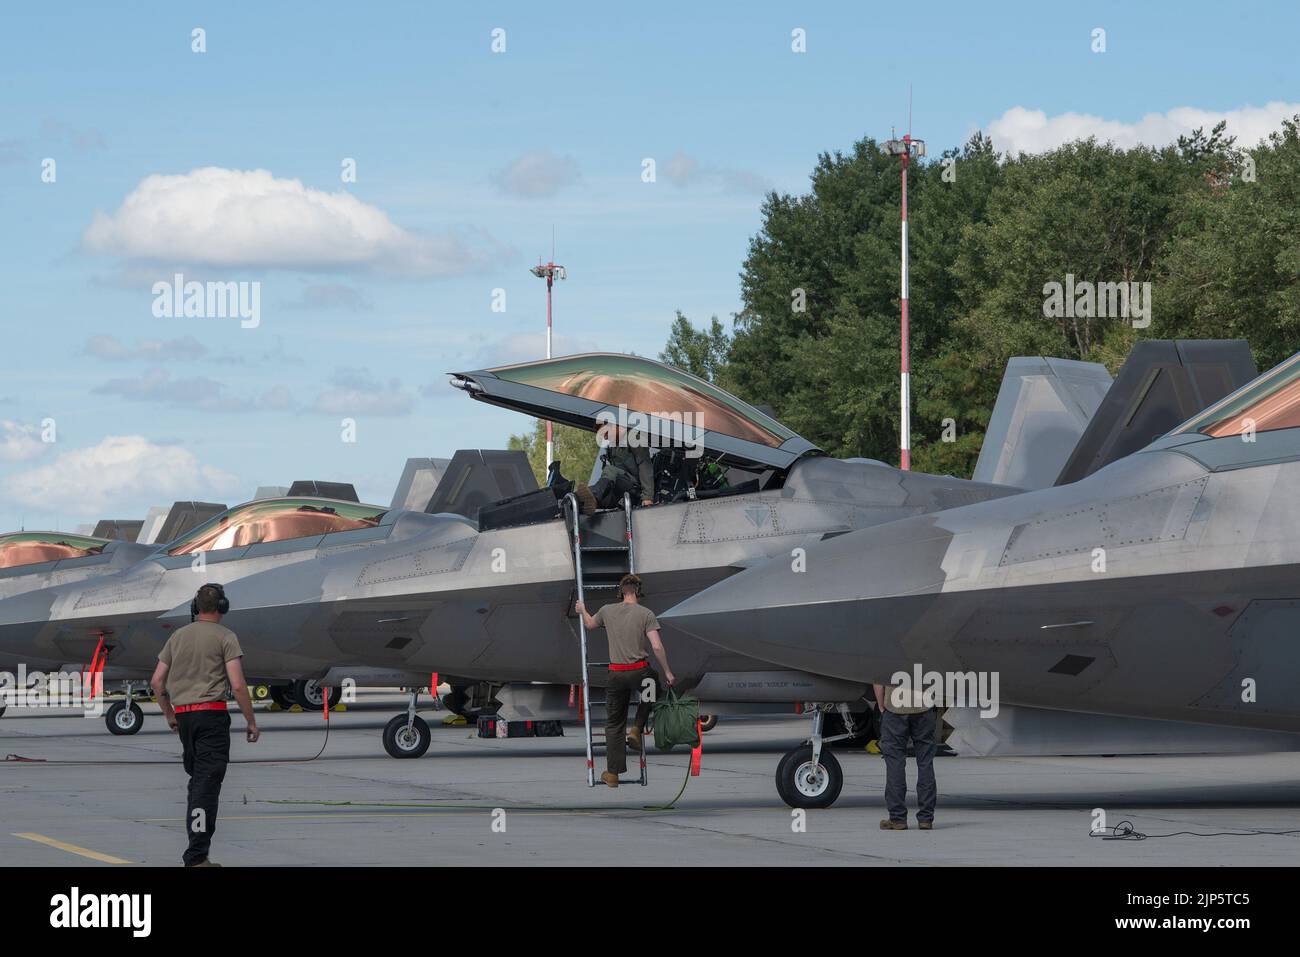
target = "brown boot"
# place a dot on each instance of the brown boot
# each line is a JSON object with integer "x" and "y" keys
{"x": 610, "y": 778}
{"x": 925, "y": 825}
{"x": 634, "y": 740}
{"x": 889, "y": 824}
{"x": 586, "y": 500}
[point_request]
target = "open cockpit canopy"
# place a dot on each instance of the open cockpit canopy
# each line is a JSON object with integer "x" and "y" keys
{"x": 670, "y": 408}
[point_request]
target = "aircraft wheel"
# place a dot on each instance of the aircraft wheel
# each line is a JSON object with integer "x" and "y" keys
{"x": 708, "y": 722}
{"x": 124, "y": 717}
{"x": 803, "y": 785}
{"x": 403, "y": 742}
{"x": 456, "y": 701}
{"x": 309, "y": 694}
{"x": 283, "y": 696}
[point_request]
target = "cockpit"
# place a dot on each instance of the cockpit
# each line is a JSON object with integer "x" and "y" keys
{"x": 19, "y": 549}
{"x": 276, "y": 520}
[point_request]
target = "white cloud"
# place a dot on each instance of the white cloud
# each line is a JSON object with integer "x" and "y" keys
{"x": 1021, "y": 130}
{"x": 120, "y": 469}
{"x": 538, "y": 174}
{"x": 165, "y": 350}
{"x": 247, "y": 218}
{"x": 19, "y": 442}
{"x": 523, "y": 347}
{"x": 355, "y": 391}
{"x": 192, "y": 392}
{"x": 683, "y": 170}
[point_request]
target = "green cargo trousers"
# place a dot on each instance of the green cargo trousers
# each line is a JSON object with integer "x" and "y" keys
{"x": 622, "y": 687}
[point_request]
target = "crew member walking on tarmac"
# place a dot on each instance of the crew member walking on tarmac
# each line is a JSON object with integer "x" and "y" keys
{"x": 633, "y": 633}
{"x": 197, "y": 667}
{"x": 904, "y": 714}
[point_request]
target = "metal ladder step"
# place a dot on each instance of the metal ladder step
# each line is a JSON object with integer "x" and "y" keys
{"x": 574, "y": 514}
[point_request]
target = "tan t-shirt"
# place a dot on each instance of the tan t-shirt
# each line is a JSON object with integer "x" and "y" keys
{"x": 196, "y": 657}
{"x": 627, "y": 625}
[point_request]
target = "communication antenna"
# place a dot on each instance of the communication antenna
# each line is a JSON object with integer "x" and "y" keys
{"x": 906, "y": 148}
{"x": 549, "y": 271}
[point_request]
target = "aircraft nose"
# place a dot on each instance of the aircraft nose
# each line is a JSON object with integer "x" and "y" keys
{"x": 842, "y": 607}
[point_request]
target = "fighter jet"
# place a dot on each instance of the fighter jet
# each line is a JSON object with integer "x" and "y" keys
{"x": 1162, "y": 586}
{"x": 104, "y": 606}
{"x": 492, "y": 598}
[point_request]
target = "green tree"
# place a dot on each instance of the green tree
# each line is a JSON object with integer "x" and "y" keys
{"x": 575, "y": 449}
{"x": 701, "y": 352}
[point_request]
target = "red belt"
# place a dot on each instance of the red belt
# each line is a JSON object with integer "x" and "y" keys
{"x": 205, "y": 706}
{"x": 635, "y": 666}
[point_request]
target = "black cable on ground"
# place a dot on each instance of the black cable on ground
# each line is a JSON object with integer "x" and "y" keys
{"x": 1125, "y": 831}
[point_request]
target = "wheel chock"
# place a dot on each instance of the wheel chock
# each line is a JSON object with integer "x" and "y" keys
{"x": 454, "y": 721}
{"x": 873, "y": 746}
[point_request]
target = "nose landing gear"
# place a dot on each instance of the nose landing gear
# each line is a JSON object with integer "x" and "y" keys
{"x": 407, "y": 735}
{"x": 810, "y": 776}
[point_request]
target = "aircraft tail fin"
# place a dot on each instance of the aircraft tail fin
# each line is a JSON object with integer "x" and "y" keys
{"x": 1043, "y": 407}
{"x": 183, "y": 517}
{"x": 340, "y": 491}
{"x": 477, "y": 477}
{"x": 1163, "y": 383}
{"x": 118, "y": 529}
{"x": 420, "y": 478}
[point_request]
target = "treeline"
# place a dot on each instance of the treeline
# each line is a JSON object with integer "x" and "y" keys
{"x": 1213, "y": 228}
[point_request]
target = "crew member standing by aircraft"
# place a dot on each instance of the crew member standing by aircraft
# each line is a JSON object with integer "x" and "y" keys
{"x": 904, "y": 715}
{"x": 633, "y": 633}
{"x": 198, "y": 666}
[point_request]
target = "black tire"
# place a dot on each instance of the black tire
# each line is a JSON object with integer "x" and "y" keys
{"x": 283, "y": 696}
{"x": 307, "y": 694}
{"x": 801, "y": 789}
{"x": 123, "y": 717}
{"x": 400, "y": 742}
{"x": 708, "y": 722}
{"x": 3, "y": 708}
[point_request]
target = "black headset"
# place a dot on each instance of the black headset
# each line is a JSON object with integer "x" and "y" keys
{"x": 223, "y": 603}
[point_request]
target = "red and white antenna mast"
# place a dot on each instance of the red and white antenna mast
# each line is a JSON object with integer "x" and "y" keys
{"x": 907, "y": 148}
{"x": 550, "y": 272}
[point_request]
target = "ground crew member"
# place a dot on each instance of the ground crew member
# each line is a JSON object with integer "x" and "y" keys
{"x": 198, "y": 666}
{"x": 633, "y": 633}
{"x": 904, "y": 715}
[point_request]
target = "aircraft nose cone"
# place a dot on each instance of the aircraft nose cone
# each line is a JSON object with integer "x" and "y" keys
{"x": 843, "y": 608}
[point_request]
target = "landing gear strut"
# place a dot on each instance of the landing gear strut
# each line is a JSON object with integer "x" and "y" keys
{"x": 125, "y": 716}
{"x": 407, "y": 735}
{"x": 810, "y": 776}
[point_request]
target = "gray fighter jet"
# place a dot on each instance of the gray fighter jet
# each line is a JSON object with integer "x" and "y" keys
{"x": 70, "y": 609}
{"x": 492, "y": 599}
{"x": 1165, "y": 585}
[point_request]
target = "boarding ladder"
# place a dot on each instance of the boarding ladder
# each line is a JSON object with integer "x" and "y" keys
{"x": 597, "y": 567}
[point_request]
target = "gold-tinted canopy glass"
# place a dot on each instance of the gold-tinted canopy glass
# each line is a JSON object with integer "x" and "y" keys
{"x": 275, "y": 520}
{"x": 1268, "y": 403}
{"x": 650, "y": 388}
{"x": 32, "y": 548}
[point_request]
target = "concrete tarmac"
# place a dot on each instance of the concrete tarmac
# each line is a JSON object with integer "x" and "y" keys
{"x": 120, "y": 801}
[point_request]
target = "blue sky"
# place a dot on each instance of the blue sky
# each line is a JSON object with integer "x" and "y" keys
{"x": 465, "y": 161}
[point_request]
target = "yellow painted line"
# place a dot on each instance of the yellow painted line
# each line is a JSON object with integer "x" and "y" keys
{"x": 71, "y": 848}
